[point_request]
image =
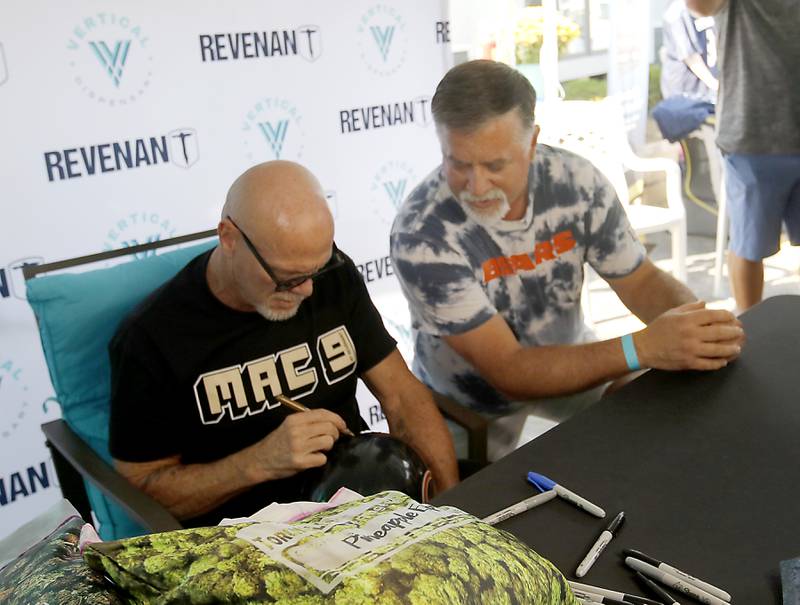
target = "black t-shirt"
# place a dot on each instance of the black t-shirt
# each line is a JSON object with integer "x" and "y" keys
{"x": 192, "y": 377}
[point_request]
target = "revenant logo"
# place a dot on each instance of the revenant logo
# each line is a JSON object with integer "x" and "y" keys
{"x": 177, "y": 146}
{"x": 12, "y": 282}
{"x": 304, "y": 41}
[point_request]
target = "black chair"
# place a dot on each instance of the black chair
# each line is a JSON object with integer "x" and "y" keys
{"x": 77, "y": 313}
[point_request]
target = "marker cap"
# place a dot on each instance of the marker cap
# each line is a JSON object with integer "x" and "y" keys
{"x": 662, "y": 594}
{"x": 616, "y": 523}
{"x": 629, "y": 552}
{"x": 540, "y": 482}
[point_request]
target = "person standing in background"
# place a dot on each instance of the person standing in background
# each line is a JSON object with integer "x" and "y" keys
{"x": 758, "y": 131}
{"x": 689, "y": 55}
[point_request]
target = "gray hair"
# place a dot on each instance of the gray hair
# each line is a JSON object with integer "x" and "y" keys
{"x": 476, "y": 91}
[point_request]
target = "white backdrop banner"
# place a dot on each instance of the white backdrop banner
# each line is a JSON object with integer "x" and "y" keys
{"x": 123, "y": 123}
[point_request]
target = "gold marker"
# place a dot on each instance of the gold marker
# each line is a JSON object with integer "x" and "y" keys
{"x": 299, "y": 407}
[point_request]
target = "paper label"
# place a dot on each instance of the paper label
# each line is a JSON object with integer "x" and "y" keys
{"x": 345, "y": 543}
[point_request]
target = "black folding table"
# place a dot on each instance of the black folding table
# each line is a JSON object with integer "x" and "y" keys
{"x": 706, "y": 466}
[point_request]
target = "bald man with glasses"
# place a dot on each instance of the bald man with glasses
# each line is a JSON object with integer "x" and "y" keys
{"x": 274, "y": 309}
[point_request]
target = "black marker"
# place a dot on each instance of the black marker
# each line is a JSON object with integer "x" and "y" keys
{"x": 662, "y": 594}
{"x": 612, "y": 594}
{"x": 600, "y": 545}
{"x": 709, "y": 588}
{"x": 593, "y": 600}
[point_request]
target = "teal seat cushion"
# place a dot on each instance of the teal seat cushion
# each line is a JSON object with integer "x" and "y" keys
{"x": 77, "y": 314}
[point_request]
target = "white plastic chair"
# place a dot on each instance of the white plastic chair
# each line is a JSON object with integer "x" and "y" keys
{"x": 596, "y": 131}
{"x": 722, "y": 230}
{"x": 706, "y": 134}
{"x": 716, "y": 167}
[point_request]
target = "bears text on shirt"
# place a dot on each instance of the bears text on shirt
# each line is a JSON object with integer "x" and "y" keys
{"x": 500, "y": 266}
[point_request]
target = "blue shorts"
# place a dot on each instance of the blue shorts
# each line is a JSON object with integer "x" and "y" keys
{"x": 763, "y": 191}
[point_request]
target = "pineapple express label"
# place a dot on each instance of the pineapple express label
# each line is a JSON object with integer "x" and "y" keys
{"x": 353, "y": 540}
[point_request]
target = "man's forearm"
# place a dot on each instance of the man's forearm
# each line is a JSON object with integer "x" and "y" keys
{"x": 700, "y": 69}
{"x": 414, "y": 418}
{"x": 553, "y": 371}
{"x": 191, "y": 490}
{"x": 688, "y": 337}
{"x": 194, "y": 489}
{"x": 657, "y": 293}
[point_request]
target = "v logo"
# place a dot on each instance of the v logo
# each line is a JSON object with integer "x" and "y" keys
{"x": 383, "y": 38}
{"x": 112, "y": 61}
{"x": 275, "y": 135}
{"x": 395, "y": 190}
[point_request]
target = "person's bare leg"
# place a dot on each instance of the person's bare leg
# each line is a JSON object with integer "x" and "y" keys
{"x": 747, "y": 280}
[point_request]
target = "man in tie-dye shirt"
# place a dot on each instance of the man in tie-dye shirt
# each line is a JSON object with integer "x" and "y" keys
{"x": 490, "y": 248}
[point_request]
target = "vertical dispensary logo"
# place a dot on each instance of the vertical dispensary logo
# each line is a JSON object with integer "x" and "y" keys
{"x": 403, "y": 335}
{"x": 15, "y": 407}
{"x": 14, "y": 398}
{"x": 273, "y": 130}
{"x": 3, "y": 66}
{"x": 382, "y": 39}
{"x": 390, "y": 186}
{"x": 110, "y": 59}
{"x": 139, "y": 228}
{"x": 304, "y": 41}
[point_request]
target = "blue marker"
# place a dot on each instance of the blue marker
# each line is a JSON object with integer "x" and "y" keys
{"x": 544, "y": 484}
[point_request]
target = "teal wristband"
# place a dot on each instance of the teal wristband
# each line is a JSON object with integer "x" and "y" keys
{"x": 630, "y": 353}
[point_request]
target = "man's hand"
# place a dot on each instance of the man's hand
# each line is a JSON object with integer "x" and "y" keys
{"x": 690, "y": 337}
{"x": 296, "y": 445}
{"x": 193, "y": 489}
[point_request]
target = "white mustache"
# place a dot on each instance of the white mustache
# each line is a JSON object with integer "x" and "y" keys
{"x": 289, "y": 297}
{"x": 491, "y": 195}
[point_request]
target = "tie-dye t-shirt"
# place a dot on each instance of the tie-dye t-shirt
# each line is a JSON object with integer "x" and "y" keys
{"x": 457, "y": 274}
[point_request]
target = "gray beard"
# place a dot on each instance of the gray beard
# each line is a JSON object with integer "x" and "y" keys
{"x": 273, "y": 315}
{"x": 486, "y": 219}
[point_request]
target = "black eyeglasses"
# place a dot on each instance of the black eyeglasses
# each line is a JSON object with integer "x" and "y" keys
{"x": 336, "y": 261}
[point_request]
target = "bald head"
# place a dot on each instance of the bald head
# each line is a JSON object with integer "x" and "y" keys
{"x": 282, "y": 209}
{"x": 281, "y": 204}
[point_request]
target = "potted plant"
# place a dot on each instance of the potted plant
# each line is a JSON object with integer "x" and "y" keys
{"x": 528, "y": 36}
